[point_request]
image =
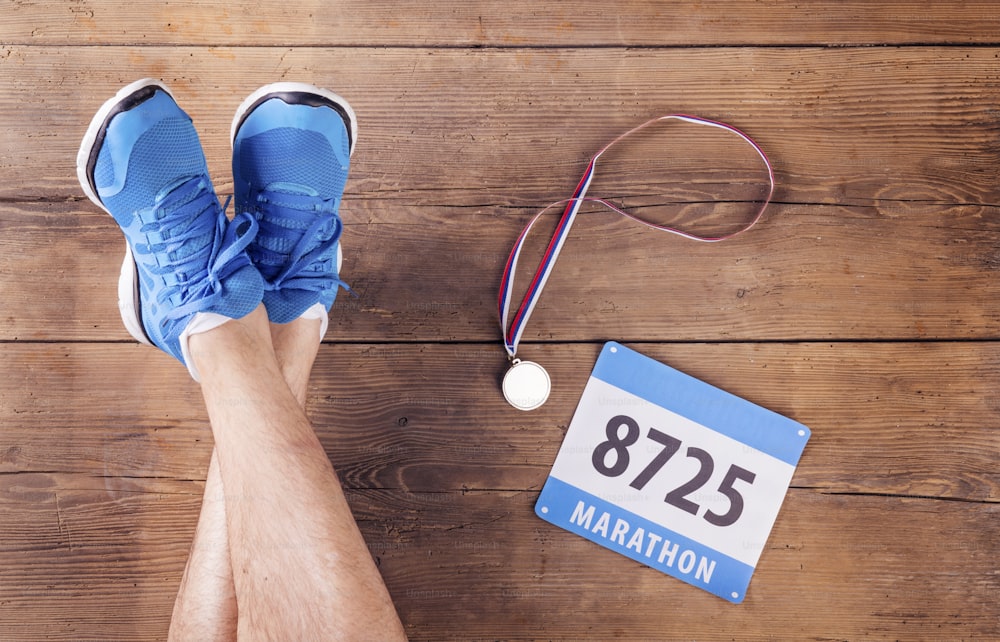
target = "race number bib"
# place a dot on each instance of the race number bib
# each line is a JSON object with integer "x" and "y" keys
{"x": 672, "y": 472}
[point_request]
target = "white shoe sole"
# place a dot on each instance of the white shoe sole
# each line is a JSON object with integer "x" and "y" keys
{"x": 128, "y": 298}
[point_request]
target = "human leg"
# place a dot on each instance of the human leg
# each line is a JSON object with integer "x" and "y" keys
{"x": 185, "y": 264}
{"x": 291, "y": 150}
{"x": 292, "y": 537}
{"x": 206, "y": 608}
{"x": 185, "y": 273}
{"x": 206, "y": 605}
{"x": 296, "y": 345}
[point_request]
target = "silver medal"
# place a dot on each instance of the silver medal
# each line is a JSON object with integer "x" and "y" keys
{"x": 526, "y": 385}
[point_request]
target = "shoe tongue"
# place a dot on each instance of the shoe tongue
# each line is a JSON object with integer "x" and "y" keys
{"x": 293, "y": 210}
{"x": 180, "y": 192}
{"x": 176, "y": 196}
{"x": 292, "y": 188}
{"x": 191, "y": 246}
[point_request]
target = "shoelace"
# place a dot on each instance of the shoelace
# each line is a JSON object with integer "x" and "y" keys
{"x": 305, "y": 223}
{"x": 200, "y": 270}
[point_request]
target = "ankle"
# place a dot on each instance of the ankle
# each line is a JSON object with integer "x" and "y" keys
{"x": 295, "y": 347}
{"x": 237, "y": 341}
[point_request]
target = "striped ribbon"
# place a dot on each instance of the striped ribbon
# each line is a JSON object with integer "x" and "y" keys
{"x": 512, "y": 332}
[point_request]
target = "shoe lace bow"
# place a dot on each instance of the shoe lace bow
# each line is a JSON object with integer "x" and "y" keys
{"x": 313, "y": 226}
{"x": 200, "y": 254}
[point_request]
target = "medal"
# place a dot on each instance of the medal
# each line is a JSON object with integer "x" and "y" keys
{"x": 526, "y": 385}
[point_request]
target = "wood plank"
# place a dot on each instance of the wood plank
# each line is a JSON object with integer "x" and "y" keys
{"x": 478, "y": 23}
{"x": 85, "y": 557}
{"x": 834, "y": 568}
{"x": 879, "y": 412}
{"x": 863, "y": 305}
{"x": 892, "y": 418}
{"x": 806, "y": 273}
{"x": 898, "y": 130}
{"x": 79, "y": 562}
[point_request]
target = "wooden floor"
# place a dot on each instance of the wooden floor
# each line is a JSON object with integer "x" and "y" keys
{"x": 865, "y": 305}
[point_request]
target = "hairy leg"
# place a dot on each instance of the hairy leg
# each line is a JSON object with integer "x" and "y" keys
{"x": 301, "y": 567}
{"x": 206, "y": 602}
{"x": 295, "y": 347}
{"x": 205, "y": 608}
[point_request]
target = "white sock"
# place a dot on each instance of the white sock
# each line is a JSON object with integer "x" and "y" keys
{"x": 317, "y": 311}
{"x": 200, "y": 322}
{"x": 205, "y": 321}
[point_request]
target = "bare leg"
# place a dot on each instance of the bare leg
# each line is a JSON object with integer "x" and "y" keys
{"x": 301, "y": 567}
{"x": 206, "y": 602}
{"x": 295, "y": 347}
{"x": 205, "y": 608}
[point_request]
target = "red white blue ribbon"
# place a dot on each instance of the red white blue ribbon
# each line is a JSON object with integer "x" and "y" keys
{"x": 512, "y": 332}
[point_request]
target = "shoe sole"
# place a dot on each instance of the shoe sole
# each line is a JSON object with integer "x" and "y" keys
{"x": 312, "y": 95}
{"x": 128, "y": 278}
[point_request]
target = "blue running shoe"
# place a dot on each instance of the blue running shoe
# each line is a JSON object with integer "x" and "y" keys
{"x": 141, "y": 161}
{"x": 292, "y": 144}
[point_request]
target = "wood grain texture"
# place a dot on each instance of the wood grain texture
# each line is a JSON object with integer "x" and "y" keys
{"x": 429, "y": 417}
{"x": 478, "y": 565}
{"x": 806, "y": 273}
{"x": 898, "y": 130}
{"x": 486, "y": 23}
{"x": 864, "y": 305}
{"x": 536, "y": 581}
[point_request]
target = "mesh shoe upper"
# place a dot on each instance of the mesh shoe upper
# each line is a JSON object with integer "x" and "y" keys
{"x": 290, "y": 165}
{"x": 149, "y": 172}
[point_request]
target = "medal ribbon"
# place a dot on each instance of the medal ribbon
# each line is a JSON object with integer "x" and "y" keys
{"x": 512, "y": 332}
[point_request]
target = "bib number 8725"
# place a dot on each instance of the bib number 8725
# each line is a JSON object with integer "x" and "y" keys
{"x": 617, "y": 446}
